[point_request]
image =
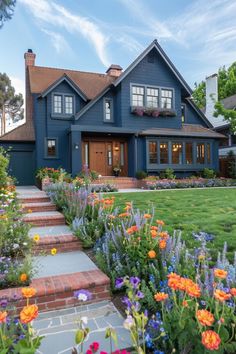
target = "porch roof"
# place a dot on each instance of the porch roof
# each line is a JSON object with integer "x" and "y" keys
{"x": 102, "y": 129}
{"x": 188, "y": 130}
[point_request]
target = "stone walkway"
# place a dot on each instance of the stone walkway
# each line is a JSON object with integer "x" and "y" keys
{"x": 57, "y": 277}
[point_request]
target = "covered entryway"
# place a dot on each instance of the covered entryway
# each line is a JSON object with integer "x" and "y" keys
{"x": 103, "y": 154}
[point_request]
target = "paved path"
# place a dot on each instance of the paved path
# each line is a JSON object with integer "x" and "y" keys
{"x": 59, "y": 327}
{"x": 58, "y": 276}
{"x": 135, "y": 190}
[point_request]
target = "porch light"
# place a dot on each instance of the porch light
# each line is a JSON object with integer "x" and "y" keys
{"x": 116, "y": 148}
{"x": 76, "y": 146}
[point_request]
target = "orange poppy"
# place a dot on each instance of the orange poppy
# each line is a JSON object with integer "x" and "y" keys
{"x": 160, "y": 296}
{"x": 23, "y": 277}
{"x": 193, "y": 290}
{"x": 154, "y": 228}
{"x": 28, "y": 292}
{"x": 28, "y": 313}
{"x": 153, "y": 233}
{"x": 205, "y": 317}
{"x": 162, "y": 244}
{"x": 221, "y": 296}
{"x": 220, "y": 273}
{"x": 147, "y": 216}
{"x": 211, "y": 340}
{"x": 3, "y": 316}
{"x": 160, "y": 222}
{"x": 233, "y": 291}
{"x": 152, "y": 254}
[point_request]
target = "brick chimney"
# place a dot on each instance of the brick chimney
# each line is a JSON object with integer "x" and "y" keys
{"x": 29, "y": 61}
{"x": 114, "y": 70}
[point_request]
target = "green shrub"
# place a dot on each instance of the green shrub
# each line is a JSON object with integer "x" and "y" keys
{"x": 4, "y": 163}
{"x": 208, "y": 173}
{"x": 168, "y": 173}
{"x": 231, "y": 164}
{"x": 141, "y": 174}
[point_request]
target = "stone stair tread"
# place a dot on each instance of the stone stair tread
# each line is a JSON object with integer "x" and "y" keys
{"x": 50, "y": 231}
{"x": 28, "y": 205}
{"x": 43, "y": 214}
{"x": 63, "y": 263}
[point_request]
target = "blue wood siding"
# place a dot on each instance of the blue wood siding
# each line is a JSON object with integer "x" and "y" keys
{"x": 191, "y": 117}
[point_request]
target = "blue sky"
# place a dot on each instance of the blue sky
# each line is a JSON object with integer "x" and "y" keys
{"x": 88, "y": 35}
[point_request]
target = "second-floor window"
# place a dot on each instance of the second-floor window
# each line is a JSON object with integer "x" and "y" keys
{"x": 166, "y": 98}
{"x": 137, "y": 96}
{"x": 63, "y": 104}
{"x": 152, "y": 97}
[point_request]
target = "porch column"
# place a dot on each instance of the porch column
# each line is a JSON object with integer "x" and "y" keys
{"x": 132, "y": 156}
{"x": 76, "y": 152}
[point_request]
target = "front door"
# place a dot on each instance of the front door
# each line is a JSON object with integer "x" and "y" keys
{"x": 103, "y": 155}
{"x": 97, "y": 157}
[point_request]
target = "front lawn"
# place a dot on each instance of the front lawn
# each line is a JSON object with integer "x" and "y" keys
{"x": 210, "y": 210}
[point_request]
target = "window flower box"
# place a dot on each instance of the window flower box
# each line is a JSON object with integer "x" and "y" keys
{"x": 153, "y": 112}
{"x": 138, "y": 111}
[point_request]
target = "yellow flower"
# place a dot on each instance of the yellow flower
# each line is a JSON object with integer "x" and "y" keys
{"x": 36, "y": 238}
{"x": 29, "y": 211}
{"x": 53, "y": 251}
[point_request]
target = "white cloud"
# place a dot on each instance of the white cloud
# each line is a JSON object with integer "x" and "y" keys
{"x": 18, "y": 84}
{"x": 57, "y": 40}
{"x": 58, "y": 16}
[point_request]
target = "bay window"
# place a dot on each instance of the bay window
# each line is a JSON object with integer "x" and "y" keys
{"x": 163, "y": 153}
{"x": 189, "y": 153}
{"x": 200, "y": 153}
{"x": 152, "y": 152}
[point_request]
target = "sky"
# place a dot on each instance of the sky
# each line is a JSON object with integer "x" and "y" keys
{"x": 199, "y": 36}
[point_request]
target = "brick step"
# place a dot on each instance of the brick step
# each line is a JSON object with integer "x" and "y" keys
{"x": 34, "y": 199}
{"x": 48, "y": 218}
{"x": 56, "y": 292}
{"x": 65, "y": 243}
{"x": 35, "y": 207}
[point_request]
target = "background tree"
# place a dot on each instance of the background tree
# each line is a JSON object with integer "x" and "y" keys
{"x": 226, "y": 86}
{"x": 10, "y": 102}
{"x": 6, "y": 10}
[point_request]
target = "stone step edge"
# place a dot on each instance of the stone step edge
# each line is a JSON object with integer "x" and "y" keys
{"x": 32, "y": 217}
{"x": 34, "y": 199}
{"x": 63, "y": 243}
{"x": 56, "y": 292}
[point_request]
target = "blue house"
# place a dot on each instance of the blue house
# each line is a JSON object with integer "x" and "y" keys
{"x": 142, "y": 118}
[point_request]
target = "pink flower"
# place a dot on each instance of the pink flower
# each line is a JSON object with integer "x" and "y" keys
{"x": 94, "y": 347}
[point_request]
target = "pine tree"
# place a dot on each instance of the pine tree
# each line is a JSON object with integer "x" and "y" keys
{"x": 6, "y": 10}
{"x": 10, "y": 102}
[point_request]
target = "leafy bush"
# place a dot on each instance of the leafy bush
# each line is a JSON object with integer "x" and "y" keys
{"x": 4, "y": 163}
{"x": 231, "y": 164}
{"x": 168, "y": 173}
{"x": 141, "y": 174}
{"x": 86, "y": 173}
{"x": 208, "y": 173}
{"x": 55, "y": 175}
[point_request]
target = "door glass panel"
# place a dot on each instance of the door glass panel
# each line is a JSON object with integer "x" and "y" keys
{"x": 152, "y": 152}
{"x": 122, "y": 154}
{"x": 189, "y": 153}
{"x": 109, "y": 155}
{"x": 163, "y": 153}
{"x": 86, "y": 154}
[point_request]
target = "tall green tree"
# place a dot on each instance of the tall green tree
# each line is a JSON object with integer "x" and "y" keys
{"x": 6, "y": 10}
{"x": 10, "y": 102}
{"x": 226, "y": 86}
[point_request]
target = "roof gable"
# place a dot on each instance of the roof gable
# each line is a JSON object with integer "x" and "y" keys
{"x": 90, "y": 84}
{"x": 70, "y": 83}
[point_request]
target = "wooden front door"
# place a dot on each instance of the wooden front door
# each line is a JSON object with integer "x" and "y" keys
{"x": 102, "y": 155}
{"x": 97, "y": 157}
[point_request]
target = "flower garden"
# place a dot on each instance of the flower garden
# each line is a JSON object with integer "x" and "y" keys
{"x": 176, "y": 299}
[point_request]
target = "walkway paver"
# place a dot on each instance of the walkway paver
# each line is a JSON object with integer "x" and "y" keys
{"x": 62, "y": 263}
{"x": 59, "y": 327}
{"x": 46, "y": 231}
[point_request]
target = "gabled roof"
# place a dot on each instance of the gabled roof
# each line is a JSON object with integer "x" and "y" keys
{"x": 24, "y": 132}
{"x": 70, "y": 82}
{"x": 229, "y": 102}
{"x": 90, "y": 84}
{"x": 160, "y": 51}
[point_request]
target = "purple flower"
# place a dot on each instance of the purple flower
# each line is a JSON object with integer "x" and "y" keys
{"x": 119, "y": 283}
{"x": 83, "y": 295}
{"x": 134, "y": 281}
{"x": 3, "y": 303}
{"x": 140, "y": 295}
{"x": 127, "y": 302}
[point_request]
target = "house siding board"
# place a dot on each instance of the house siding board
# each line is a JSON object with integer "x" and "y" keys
{"x": 154, "y": 74}
{"x": 191, "y": 117}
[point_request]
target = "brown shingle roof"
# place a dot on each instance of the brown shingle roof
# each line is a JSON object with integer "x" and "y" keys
{"x": 24, "y": 132}
{"x": 91, "y": 84}
{"x": 186, "y": 130}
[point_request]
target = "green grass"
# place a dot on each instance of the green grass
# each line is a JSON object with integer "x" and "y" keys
{"x": 209, "y": 210}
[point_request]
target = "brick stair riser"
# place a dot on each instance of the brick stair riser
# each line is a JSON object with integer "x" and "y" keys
{"x": 62, "y": 300}
{"x": 34, "y": 200}
{"x": 39, "y": 208}
{"x": 61, "y": 247}
{"x": 45, "y": 222}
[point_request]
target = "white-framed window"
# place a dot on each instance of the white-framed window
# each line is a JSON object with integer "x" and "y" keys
{"x": 138, "y": 96}
{"x": 51, "y": 147}
{"x": 68, "y": 105}
{"x": 166, "y": 98}
{"x": 57, "y": 104}
{"x": 107, "y": 110}
{"x": 152, "y": 97}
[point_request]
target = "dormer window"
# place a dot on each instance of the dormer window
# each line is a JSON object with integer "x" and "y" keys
{"x": 137, "y": 96}
{"x": 166, "y": 99}
{"x": 57, "y": 104}
{"x": 63, "y": 105}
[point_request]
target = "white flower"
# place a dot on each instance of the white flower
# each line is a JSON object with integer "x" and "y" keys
{"x": 84, "y": 319}
{"x": 82, "y": 297}
{"x": 129, "y": 322}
